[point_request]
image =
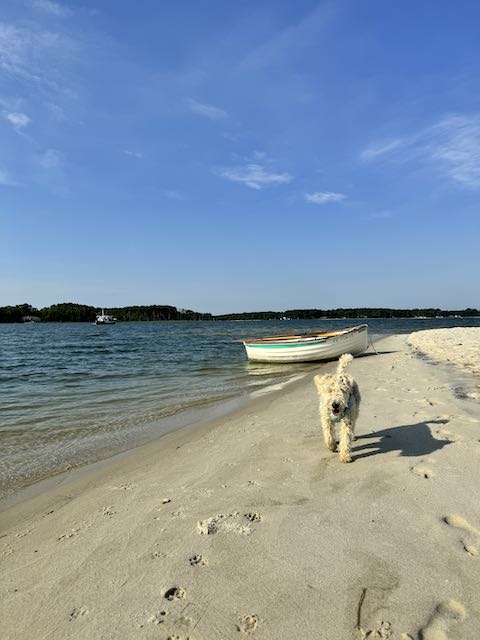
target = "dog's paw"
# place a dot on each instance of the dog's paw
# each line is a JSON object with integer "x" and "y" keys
{"x": 345, "y": 457}
{"x": 332, "y": 445}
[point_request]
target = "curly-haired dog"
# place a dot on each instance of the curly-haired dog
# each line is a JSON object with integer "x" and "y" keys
{"x": 339, "y": 402}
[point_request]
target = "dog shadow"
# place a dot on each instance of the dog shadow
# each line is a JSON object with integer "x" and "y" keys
{"x": 408, "y": 440}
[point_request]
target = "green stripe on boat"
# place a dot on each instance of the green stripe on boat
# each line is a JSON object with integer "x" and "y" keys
{"x": 285, "y": 346}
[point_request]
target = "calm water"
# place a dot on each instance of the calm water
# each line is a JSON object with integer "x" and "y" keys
{"x": 75, "y": 393}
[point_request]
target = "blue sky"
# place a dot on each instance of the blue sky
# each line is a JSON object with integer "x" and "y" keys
{"x": 229, "y": 157}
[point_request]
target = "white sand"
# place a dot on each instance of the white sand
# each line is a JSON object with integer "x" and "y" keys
{"x": 460, "y": 346}
{"x": 251, "y": 528}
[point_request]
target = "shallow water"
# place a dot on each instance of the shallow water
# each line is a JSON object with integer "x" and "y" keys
{"x": 75, "y": 393}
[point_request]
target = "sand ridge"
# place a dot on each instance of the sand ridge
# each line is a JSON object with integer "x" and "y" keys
{"x": 251, "y": 528}
{"x": 459, "y": 346}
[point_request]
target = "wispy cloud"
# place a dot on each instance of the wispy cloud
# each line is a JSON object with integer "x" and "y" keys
{"x": 172, "y": 194}
{"x": 287, "y": 43}
{"x": 56, "y": 111}
{"x": 229, "y": 136}
{"x": 456, "y": 146}
{"x": 6, "y": 180}
{"x": 378, "y": 149}
{"x": 18, "y": 120}
{"x": 322, "y": 197}
{"x": 51, "y": 159}
{"x": 381, "y": 215}
{"x": 133, "y": 154}
{"x": 33, "y": 55}
{"x": 54, "y": 8}
{"x": 451, "y": 147}
{"x": 206, "y": 110}
{"x": 254, "y": 176}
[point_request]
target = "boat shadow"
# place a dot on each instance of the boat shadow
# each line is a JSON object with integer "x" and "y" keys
{"x": 367, "y": 354}
{"x": 408, "y": 440}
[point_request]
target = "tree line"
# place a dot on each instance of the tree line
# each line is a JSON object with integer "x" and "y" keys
{"x": 358, "y": 313}
{"x": 73, "y": 312}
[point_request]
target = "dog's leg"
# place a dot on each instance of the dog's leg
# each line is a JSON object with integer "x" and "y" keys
{"x": 346, "y": 436}
{"x": 328, "y": 429}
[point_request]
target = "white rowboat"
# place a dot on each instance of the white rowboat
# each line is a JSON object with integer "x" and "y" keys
{"x": 323, "y": 345}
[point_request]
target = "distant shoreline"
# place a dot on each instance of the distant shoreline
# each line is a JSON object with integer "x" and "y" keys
{"x": 73, "y": 312}
{"x": 250, "y": 319}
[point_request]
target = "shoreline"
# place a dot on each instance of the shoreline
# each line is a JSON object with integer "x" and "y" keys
{"x": 198, "y": 411}
{"x": 188, "y": 420}
{"x": 195, "y": 416}
{"x": 261, "y": 529}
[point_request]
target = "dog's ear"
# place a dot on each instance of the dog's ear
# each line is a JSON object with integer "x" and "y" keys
{"x": 319, "y": 381}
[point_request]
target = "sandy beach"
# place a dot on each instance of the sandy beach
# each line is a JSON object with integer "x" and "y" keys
{"x": 459, "y": 346}
{"x": 248, "y": 526}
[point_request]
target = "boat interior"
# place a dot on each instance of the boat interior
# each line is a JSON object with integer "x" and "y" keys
{"x": 305, "y": 336}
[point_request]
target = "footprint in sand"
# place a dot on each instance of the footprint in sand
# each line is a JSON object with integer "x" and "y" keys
{"x": 75, "y": 531}
{"x": 198, "y": 561}
{"x": 158, "y": 618}
{"x": 126, "y": 486}
{"x": 422, "y": 470}
{"x": 108, "y": 512}
{"x": 78, "y": 613}
{"x": 445, "y": 616}
{"x": 247, "y": 624}
{"x": 448, "y": 435}
{"x": 175, "y": 593}
{"x": 471, "y": 536}
{"x": 253, "y": 517}
{"x": 426, "y": 401}
{"x": 228, "y": 523}
{"x": 381, "y": 632}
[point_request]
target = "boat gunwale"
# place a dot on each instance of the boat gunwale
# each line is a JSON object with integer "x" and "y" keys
{"x": 320, "y": 335}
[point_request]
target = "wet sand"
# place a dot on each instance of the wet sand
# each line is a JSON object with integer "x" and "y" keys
{"x": 249, "y": 527}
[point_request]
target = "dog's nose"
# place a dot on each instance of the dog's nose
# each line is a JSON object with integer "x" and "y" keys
{"x": 335, "y": 405}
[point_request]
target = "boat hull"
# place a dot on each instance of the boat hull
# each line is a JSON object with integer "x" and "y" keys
{"x": 308, "y": 349}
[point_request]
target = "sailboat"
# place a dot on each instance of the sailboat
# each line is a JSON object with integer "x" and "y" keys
{"x": 104, "y": 318}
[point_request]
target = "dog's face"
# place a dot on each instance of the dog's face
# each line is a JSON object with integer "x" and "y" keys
{"x": 336, "y": 391}
{"x": 339, "y": 396}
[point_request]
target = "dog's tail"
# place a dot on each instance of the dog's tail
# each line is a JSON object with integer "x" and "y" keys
{"x": 343, "y": 363}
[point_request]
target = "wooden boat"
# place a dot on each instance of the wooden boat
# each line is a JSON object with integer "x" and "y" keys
{"x": 322, "y": 345}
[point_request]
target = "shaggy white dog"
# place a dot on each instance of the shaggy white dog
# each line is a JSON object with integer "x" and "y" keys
{"x": 339, "y": 402}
